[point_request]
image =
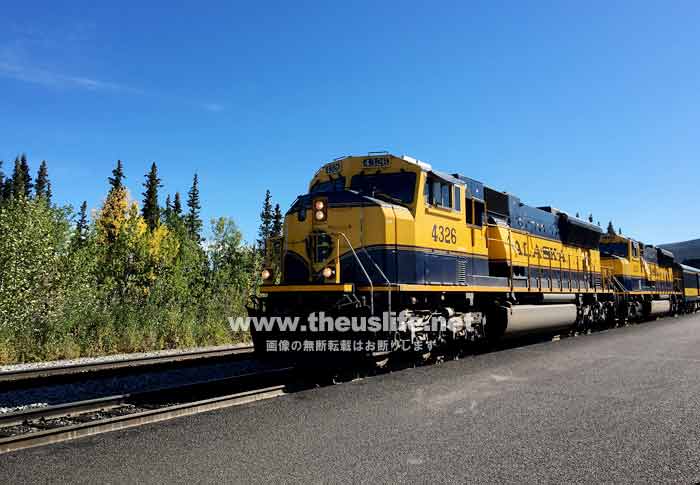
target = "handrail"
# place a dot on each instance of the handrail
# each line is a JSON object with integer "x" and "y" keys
{"x": 362, "y": 267}
{"x": 388, "y": 283}
{"x": 619, "y": 285}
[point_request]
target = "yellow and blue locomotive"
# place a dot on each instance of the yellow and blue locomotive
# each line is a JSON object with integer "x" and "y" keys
{"x": 382, "y": 233}
{"x": 643, "y": 274}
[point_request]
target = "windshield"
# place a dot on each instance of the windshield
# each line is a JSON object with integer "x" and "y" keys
{"x": 615, "y": 249}
{"x": 335, "y": 185}
{"x": 393, "y": 187}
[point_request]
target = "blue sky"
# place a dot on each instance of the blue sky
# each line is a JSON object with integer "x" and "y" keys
{"x": 588, "y": 106}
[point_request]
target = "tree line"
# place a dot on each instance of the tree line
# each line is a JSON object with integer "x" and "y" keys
{"x": 21, "y": 183}
{"x": 124, "y": 277}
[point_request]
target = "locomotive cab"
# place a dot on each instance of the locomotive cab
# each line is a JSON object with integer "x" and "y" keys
{"x": 357, "y": 208}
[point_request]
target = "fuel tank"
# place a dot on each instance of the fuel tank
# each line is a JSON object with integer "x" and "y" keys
{"x": 659, "y": 307}
{"x": 522, "y": 319}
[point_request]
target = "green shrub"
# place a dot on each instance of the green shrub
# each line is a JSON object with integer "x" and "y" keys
{"x": 120, "y": 287}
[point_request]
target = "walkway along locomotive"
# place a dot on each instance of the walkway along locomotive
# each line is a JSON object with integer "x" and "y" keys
{"x": 382, "y": 233}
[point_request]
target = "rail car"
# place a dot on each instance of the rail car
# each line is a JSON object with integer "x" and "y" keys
{"x": 687, "y": 281}
{"x": 381, "y": 234}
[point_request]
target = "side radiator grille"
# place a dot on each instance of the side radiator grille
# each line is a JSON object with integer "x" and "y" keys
{"x": 461, "y": 272}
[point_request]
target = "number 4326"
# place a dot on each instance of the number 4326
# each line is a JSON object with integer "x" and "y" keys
{"x": 445, "y": 234}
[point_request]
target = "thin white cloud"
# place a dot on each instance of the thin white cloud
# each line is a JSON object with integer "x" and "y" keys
{"x": 34, "y": 75}
{"x": 53, "y": 79}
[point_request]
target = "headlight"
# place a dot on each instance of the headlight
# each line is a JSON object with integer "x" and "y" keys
{"x": 327, "y": 272}
{"x": 320, "y": 207}
{"x": 266, "y": 274}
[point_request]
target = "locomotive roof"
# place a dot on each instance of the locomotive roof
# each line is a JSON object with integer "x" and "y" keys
{"x": 665, "y": 252}
{"x": 448, "y": 178}
{"x": 626, "y": 238}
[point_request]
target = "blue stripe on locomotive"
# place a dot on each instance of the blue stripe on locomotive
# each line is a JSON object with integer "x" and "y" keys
{"x": 413, "y": 266}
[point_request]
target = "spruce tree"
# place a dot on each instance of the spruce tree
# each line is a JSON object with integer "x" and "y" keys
{"x": 19, "y": 181}
{"x": 151, "y": 211}
{"x": 266, "y": 221}
{"x": 81, "y": 228}
{"x": 7, "y": 190}
{"x": 2, "y": 182}
{"x": 28, "y": 185}
{"x": 192, "y": 220}
{"x": 173, "y": 212}
{"x": 277, "y": 222}
{"x": 611, "y": 228}
{"x": 42, "y": 181}
{"x": 49, "y": 194}
{"x": 168, "y": 212}
{"x": 177, "y": 205}
{"x": 116, "y": 181}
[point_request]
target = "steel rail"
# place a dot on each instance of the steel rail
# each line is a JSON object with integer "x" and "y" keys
{"x": 50, "y": 436}
{"x": 71, "y": 411}
{"x": 142, "y": 361}
{"x": 62, "y": 410}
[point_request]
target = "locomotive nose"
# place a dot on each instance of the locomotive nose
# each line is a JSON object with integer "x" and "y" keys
{"x": 319, "y": 247}
{"x": 320, "y": 250}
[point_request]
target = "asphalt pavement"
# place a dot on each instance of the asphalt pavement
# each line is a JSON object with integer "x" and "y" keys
{"x": 618, "y": 406}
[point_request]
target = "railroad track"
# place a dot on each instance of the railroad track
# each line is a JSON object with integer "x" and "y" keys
{"x": 53, "y": 424}
{"x": 79, "y": 370}
{"x": 37, "y": 426}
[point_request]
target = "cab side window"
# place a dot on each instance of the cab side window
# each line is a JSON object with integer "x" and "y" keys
{"x": 438, "y": 193}
{"x": 445, "y": 195}
{"x": 475, "y": 212}
{"x": 479, "y": 210}
{"x": 635, "y": 250}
